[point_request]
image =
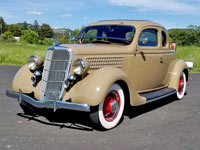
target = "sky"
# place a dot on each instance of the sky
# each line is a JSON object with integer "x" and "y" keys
{"x": 74, "y": 14}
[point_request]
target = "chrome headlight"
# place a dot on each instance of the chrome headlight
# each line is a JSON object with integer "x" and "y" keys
{"x": 34, "y": 62}
{"x": 79, "y": 66}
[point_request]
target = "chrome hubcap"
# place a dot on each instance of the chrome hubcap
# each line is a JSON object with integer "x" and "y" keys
{"x": 114, "y": 106}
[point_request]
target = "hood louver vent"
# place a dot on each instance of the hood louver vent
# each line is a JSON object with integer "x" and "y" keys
{"x": 99, "y": 62}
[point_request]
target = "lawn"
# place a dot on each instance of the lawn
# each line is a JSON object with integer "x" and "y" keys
{"x": 17, "y": 53}
{"x": 190, "y": 53}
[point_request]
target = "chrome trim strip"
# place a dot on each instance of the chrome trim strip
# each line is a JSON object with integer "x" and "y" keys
{"x": 49, "y": 103}
{"x": 161, "y": 97}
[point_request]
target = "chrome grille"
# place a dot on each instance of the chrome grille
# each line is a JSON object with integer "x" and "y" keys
{"x": 56, "y": 69}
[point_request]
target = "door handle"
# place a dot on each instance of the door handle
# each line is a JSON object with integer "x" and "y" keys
{"x": 161, "y": 59}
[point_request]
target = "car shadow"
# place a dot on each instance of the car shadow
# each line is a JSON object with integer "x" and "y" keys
{"x": 62, "y": 119}
{"x": 81, "y": 121}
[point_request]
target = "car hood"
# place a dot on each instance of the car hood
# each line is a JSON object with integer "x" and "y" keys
{"x": 93, "y": 49}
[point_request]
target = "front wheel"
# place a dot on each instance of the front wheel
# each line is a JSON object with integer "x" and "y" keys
{"x": 181, "y": 86}
{"x": 108, "y": 114}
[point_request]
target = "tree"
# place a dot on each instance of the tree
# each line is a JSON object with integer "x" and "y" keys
{"x": 25, "y": 26}
{"x": 178, "y": 36}
{"x": 191, "y": 36}
{"x": 188, "y": 36}
{"x": 45, "y": 32}
{"x": 2, "y": 25}
{"x": 14, "y": 29}
{"x": 36, "y": 27}
{"x": 76, "y": 32}
{"x": 29, "y": 36}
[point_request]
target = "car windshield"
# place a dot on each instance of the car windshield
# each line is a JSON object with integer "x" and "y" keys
{"x": 122, "y": 34}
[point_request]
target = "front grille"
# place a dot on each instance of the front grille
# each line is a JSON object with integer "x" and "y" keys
{"x": 56, "y": 69}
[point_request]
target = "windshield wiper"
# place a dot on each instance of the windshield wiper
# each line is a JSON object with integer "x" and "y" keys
{"x": 101, "y": 41}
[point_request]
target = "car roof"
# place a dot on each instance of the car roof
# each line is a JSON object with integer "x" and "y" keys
{"x": 136, "y": 23}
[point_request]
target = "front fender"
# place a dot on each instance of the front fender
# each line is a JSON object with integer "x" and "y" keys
{"x": 179, "y": 67}
{"x": 22, "y": 80}
{"x": 93, "y": 89}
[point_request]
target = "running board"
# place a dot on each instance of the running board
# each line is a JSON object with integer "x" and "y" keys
{"x": 158, "y": 94}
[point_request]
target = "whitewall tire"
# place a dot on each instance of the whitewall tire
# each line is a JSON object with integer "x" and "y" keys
{"x": 109, "y": 112}
{"x": 181, "y": 86}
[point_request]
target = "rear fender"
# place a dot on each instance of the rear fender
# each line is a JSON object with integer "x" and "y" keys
{"x": 179, "y": 67}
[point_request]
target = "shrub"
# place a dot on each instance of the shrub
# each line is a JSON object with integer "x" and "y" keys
{"x": 7, "y": 37}
{"x": 29, "y": 36}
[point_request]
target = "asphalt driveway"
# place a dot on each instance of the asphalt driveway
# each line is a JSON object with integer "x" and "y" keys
{"x": 162, "y": 125}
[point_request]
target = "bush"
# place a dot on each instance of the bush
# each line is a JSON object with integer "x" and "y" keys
{"x": 7, "y": 37}
{"x": 29, "y": 36}
{"x": 188, "y": 36}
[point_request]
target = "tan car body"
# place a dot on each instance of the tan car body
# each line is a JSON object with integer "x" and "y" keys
{"x": 137, "y": 69}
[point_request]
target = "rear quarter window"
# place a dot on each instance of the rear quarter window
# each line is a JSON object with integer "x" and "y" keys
{"x": 164, "y": 39}
{"x": 150, "y": 35}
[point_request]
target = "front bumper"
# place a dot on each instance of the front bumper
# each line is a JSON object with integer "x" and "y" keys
{"x": 51, "y": 104}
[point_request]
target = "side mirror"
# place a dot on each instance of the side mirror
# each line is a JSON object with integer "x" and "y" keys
{"x": 145, "y": 40}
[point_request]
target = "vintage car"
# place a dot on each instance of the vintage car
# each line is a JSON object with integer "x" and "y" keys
{"x": 114, "y": 64}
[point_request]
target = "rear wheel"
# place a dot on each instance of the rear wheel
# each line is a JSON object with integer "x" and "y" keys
{"x": 181, "y": 86}
{"x": 108, "y": 114}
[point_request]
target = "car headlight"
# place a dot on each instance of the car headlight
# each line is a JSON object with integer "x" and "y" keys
{"x": 34, "y": 62}
{"x": 79, "y": 66}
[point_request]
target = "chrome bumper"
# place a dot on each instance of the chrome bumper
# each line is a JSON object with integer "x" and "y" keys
{"x": 52, "y": 104}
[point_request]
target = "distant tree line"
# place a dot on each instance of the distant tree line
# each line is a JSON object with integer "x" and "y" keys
{"x": 188, "y": 36}
{"x": 33, "y": 34}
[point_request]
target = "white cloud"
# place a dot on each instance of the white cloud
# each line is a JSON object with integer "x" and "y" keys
{"x": 169, "y": 6}
{"x": 66, "y": 15}
{"x": 34, "y": 13}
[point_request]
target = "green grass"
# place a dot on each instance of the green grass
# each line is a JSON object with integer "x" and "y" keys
{"x": 190, "y": 53}
{"x": 17, "y": 53}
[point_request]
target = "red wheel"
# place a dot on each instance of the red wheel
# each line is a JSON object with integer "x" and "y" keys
{"x": 181, "y": 86}
{"x": 110, "y": 110}
{"x": 111, "y": 106}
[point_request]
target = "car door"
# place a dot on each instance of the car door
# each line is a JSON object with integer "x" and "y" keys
{"x": 148, "y": 61}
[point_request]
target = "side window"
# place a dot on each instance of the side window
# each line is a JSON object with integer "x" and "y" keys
{"x": 164, "y": 38}
{"x": 148, "y": 37}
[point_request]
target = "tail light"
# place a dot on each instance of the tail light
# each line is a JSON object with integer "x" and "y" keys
{"x": 172, "y": 46}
